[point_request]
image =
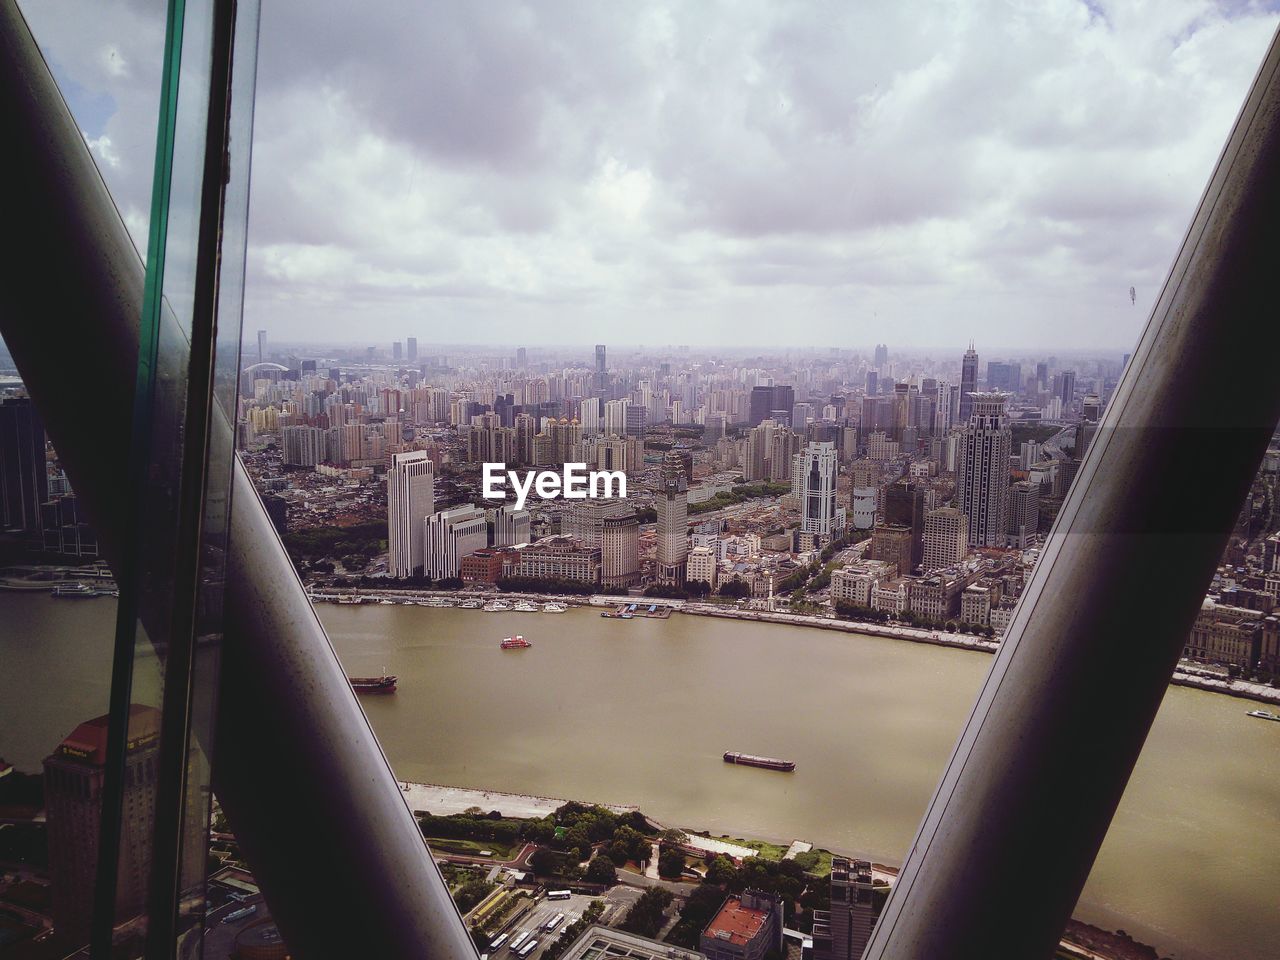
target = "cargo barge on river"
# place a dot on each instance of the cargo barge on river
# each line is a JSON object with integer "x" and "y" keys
{"x": 768, "y": 763}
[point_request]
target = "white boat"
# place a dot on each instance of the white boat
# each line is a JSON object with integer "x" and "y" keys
{"x": 1264, "y": 715}
{"x": 524, "y": 606}
{"x": 471, "y": 605}
{"x": 497, "y": 606}
{"x": 554, "y": 608}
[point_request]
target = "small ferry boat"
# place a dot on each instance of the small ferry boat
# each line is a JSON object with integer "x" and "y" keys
{"x": 767, "y": 763}
{"x": 1264, "y": 715}
{"x": 554, "y": 608}
{"x": 471, "y": 605}
{"x": 382, "y": 684}
{"x": 350, "y": 599}
{"x": 515, "y": 643}
{"x": 496, "y": 606}
{"x": 524, "y": 606}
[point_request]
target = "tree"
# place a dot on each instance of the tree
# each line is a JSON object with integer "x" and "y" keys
{"x": 670, "y": 863}
{"x": 721, "y": 870}
{"x": 646, "y": 915}
{"x": 544, "y": 862}
{"x": 602, "y": 870}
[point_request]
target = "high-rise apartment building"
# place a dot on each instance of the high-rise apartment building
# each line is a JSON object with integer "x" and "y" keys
{"x": 983, "y": 469}
{"x": 813, "y": 483}
{"x": 24, "y": 482}
{"x": 671, "y": 499}
{"x": 410, "y": 500}
{"x": 450, "y": 535}
{"x": 304, "y": 446}
{"x": 946, "y": 538}
{"x": 968, "y": 382}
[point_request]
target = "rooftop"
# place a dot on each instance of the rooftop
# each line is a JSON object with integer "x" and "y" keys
{"x": 736, "y": 923}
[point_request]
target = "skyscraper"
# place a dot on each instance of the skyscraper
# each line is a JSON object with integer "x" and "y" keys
{"x": 620, "y": 548}
{"x": 671, "y": 499}
{"x": 510, "y": 526}
{"x": 1067, "y": 389}
{"x": 864, "y": 479}
{"x": 1024, "y": 513}
{"x": 450, "y": 535}
{"x": 813, "y": 482}
{"x": 881, "y": 356}
{"x": 946, "y": 538}
{"x": 74, "y": 777}
{"x": 602, "y": 372}
{"x": 983, "y": 490}
{"x": 842, "y": 932}
{"x": 411, "y": 343}
{"x": 968, "y": 382}
{"x": 24, "y": 483}
{"x": 410, "y": 500}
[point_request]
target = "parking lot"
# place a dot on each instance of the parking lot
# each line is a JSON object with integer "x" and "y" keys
{"x": 617, "y": 902}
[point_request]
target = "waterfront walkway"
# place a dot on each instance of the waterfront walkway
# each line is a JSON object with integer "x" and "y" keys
{"x": 444, "y": 801}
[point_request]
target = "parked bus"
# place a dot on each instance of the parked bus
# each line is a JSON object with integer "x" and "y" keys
{"x": 498, "y": 941}
{"x": 558, "y": 894}
{"x": 528, "y": 948}
{"x": 519, "y": 939}
{"x": 553, "y": 922}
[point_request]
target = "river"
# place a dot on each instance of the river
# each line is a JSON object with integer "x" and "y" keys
{"x": 640, "y": 711}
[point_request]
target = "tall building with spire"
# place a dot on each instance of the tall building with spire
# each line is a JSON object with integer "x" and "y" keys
{"x": 671, "y": 500}
{"x": 410, "y": 500}
{"x": 968, "y": 382}
{"x": 983, "y": 491}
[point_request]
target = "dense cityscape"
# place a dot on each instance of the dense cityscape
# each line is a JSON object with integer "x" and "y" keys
{"x": 871, "y": 492}
{"x": 871, "y": 487}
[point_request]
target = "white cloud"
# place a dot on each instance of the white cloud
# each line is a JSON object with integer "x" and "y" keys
{"x": 685, "y": 172}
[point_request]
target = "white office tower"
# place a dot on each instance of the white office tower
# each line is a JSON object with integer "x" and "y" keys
{"x": 450, "y": 535}
{"x": 702, "y": 566}
{"x": 946, "y": 538}
{"x": 510, "y": 526}
{"x": 813, "y": 484}
{"x": 983, "y": 470}
{"x": 410, "y": 499}
{"x": 671, "y": 499}
{"x": 865, "y": 481}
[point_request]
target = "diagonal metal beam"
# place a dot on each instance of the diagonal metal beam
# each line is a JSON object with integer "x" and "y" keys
{"x": 1029, "y": 792}
{"x": 298, "y": 769}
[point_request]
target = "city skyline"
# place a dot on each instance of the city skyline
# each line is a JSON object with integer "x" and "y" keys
{"x": 1013, "y": 176}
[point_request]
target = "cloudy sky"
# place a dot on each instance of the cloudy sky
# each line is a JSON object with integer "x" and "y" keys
{"x": 831, "y": 174}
